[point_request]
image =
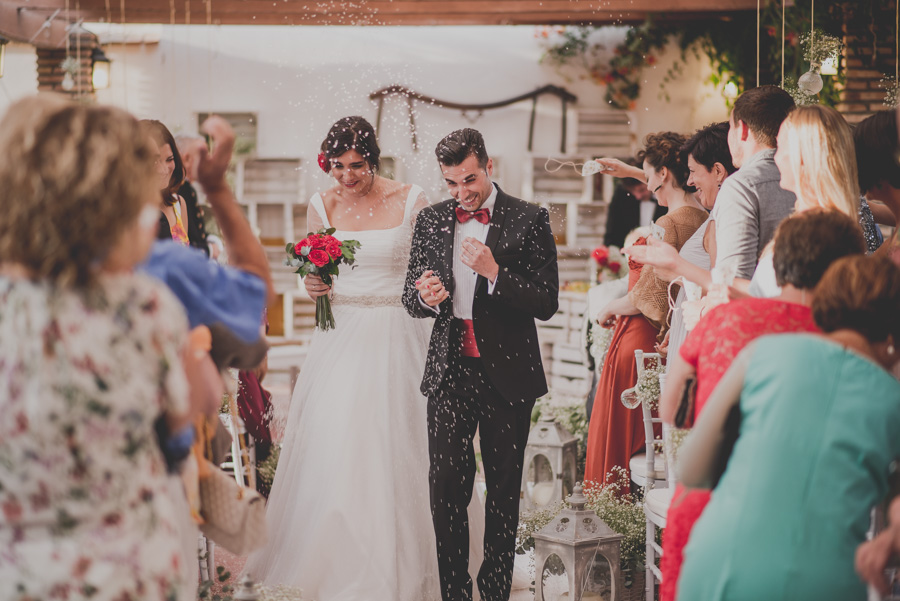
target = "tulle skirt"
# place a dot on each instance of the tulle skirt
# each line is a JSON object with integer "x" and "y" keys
{"x": 349, "y": 515}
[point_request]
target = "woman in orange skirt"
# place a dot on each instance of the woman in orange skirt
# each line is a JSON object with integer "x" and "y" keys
{"x": 616, "y": 432}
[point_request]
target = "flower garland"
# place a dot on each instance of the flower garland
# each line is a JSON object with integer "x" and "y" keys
{"x": 730, "y": 47}
{"x": 613, "y": 503}
{"x": 647, "y": 389}
{"x": 266, "y": 469}
{"x": 622, "y": 511}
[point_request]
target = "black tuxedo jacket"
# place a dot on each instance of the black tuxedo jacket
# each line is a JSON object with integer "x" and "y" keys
{"x": 527, "y": 288}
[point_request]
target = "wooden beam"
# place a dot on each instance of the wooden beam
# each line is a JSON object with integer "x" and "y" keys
{"x": 21, "y": 25}
{"x": 19, "y": 19}
{"x": 394, "y": 12}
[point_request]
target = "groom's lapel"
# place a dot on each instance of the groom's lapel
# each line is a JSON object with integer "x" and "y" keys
{"x": 498, "y": 218}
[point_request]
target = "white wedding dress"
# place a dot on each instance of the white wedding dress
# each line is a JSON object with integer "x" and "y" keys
{"x": 349, "y": 517}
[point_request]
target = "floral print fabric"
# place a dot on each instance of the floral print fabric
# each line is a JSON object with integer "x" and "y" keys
{"x": 85, "y": 509}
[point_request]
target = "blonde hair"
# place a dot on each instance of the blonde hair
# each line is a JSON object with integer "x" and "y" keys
{"x": 73, "y": 179}
{"x": 823, "y": 157}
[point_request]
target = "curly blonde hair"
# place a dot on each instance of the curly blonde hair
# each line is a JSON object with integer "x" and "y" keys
{"x": 823, "y": 157}
{"x": 73, "y": 179}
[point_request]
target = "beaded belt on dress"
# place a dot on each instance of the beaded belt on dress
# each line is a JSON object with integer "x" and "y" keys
{"x": 367, "y": 301}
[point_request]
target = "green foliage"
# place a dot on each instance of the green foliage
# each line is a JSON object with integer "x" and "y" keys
{"x": 613, "y": 503}
{"x": 223, "y": 576}
{"x": 729, "y": 42}
{"x": 623, "y": 512}
{"x": 266, "y": 469}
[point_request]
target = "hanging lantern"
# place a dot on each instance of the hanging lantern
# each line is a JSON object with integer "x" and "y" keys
{"x": 576, "y": 556}
{"x": 550, "y": 460}
{"x": 100, "y": 69}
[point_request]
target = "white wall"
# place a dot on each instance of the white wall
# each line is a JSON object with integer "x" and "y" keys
{"x": 19, "y": 74}
{"x": 299, "y": 80}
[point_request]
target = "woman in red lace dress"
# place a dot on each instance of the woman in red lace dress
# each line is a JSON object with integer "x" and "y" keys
{"x": 805, "y": 245}
{"x": 616, "y": 432}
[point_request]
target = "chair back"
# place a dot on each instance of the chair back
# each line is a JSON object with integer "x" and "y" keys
{"x": 640, "y": 358}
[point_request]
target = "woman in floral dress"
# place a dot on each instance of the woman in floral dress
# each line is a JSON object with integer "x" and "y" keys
{"x": 90, "y": 362}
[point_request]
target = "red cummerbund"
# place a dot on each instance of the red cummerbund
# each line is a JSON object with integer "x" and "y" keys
{"x": 468, "y": 346}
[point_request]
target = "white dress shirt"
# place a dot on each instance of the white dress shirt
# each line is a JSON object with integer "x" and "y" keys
{"x": 464, "y": 277}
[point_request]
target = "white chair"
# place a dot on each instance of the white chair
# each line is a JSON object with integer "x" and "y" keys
{"x": 206, "y": 551}
{"x": 656, "y": 506}
{"x": 648, "y": 469}
{"x": 242, "y": 458}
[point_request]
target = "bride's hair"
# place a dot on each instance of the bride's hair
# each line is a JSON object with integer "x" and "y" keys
{"x": 353, "y": 133}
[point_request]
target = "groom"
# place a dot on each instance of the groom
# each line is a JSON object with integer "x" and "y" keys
{"x": 484, "y": 266}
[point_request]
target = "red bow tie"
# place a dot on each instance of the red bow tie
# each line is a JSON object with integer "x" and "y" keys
{"x": 481, "y": 215}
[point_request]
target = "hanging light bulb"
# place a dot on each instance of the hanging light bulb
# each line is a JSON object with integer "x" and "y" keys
{"x": 811, "y": 82}
{"x": 731, "y": 90}
{"x": 68, "y": 82}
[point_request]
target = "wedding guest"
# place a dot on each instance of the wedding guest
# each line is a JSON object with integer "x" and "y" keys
{"x": 92, "y": 354}
{"x": 814, "y": 422}
{"x": 615, "y": 432}
{"x": 225, "y": 302}
{"x": 806, "y": 244}
{"x": 751, "y": 203}
{"x": 872, "y": 556}
{"x": 173, "y": 222}
{"x": 876, "y": 144}
{"x": 709, "y": 163}
{"x": 188, "y": 146}
{"x": 632, "y": 205}
{"x": 817, "y": 162}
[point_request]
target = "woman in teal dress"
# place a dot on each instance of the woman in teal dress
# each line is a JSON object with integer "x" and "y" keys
{"x": 819, "y": 425}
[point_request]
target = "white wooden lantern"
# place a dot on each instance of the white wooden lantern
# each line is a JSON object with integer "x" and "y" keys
{"x": 550, "y": 465}
{"x": 576, "y": 557}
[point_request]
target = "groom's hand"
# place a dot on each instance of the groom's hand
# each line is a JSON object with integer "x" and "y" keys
{"x": 431, "y": 290}
{"x": 480, "y": 259}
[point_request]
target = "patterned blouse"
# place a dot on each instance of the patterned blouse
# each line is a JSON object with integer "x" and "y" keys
{"x": 85, "y": 509}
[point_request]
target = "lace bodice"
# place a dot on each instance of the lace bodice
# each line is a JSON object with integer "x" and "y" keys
{"x": 379, "y": 275}
{"x": 722, "y": 333}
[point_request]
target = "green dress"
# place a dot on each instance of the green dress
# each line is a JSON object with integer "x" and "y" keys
{"x": 820, "y": 426}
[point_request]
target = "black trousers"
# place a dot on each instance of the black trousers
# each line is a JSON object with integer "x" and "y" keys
{"x": 467, "y": 401}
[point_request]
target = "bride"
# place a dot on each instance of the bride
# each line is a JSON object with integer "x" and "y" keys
{"x": 348, "y": 515}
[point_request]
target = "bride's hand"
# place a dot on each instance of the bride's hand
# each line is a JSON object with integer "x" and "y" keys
{"x": 315, "y": 287}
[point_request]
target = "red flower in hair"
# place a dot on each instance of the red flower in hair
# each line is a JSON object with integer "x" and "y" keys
{"x": 324, "y": 163}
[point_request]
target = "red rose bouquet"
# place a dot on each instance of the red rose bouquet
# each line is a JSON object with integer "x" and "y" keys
{"x": 609, "y": 263}
{"x": 321, "y": 254}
